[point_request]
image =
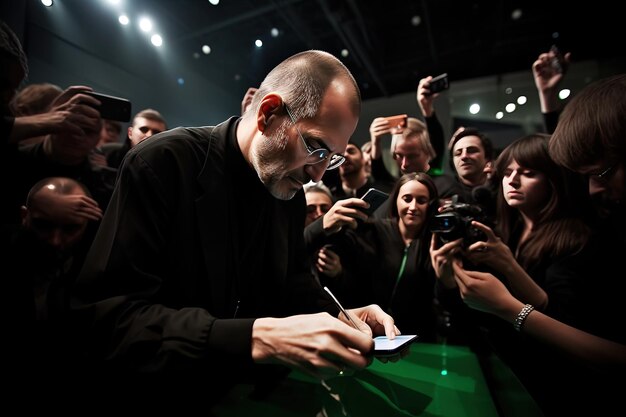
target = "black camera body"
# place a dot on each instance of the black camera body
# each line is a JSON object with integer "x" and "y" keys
{"x": 456, "y": 222}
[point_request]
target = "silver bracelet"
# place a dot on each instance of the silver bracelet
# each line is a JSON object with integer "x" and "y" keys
{"x": 521, "y": 317}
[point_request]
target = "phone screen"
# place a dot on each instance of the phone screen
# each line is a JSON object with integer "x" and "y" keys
{"x": 384, "y": 346}
{"x": 375, "y": 198}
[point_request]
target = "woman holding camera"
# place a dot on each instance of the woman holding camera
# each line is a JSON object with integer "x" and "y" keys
{"x": 541, "y": 250}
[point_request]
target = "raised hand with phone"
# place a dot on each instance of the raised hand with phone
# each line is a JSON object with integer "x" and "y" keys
{"x": 428, "y": 90}
{"x": 548, "y": 71}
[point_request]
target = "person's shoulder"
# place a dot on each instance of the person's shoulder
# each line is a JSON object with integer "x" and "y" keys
{"x": 181, "y": 146}
{"x": 179, "y": 137}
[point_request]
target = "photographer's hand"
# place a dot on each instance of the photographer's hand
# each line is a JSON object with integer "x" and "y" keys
{"x": 344, "y": 213}
{"x": 328, "y": 262}
{"x": 424, "y": 98}
{"x": 492, "y": 252}
{"x": 442, "y": 257}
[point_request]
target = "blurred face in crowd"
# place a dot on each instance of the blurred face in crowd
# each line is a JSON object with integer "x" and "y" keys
{"x": 525, "y": 189}
{"x": 317, "y": 204}
{"x": 470, "y": 160}
{"x": 412, "y": 203}
{"x": 56, "y": 228}
{"x": 143, "y": 128}
{"x": 409, "y": 155}
{"x": 354, "y": 160}
{"x": 606, "y": 185}
{"x": 109, "y": 133}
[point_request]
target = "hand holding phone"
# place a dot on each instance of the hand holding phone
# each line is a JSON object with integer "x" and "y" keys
{"x": 399, "y": 120}
{"x": 557, "y": 61}
{"x": 439, "y": 83}
{"x": 111, "y": 108}
{"x": 375, "y": 198}
{"x": 386, "y": 347}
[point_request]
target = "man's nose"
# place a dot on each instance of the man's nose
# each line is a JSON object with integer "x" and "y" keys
{"x": 316, "y": 171}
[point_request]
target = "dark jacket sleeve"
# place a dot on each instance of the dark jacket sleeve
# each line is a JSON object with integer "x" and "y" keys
{"x": 550, "y": 120}
{"x": 435, "y": 132}
{"x": 135, "y": 297}
{"x": 380, "y": 172}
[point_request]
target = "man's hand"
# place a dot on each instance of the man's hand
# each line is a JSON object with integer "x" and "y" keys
{"x": 317, "y": 344}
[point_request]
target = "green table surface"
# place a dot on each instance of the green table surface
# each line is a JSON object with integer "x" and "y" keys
{"x": 432, "y": 380}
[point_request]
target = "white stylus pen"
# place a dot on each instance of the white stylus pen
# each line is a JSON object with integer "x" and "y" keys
{"x": 343, "y": 310}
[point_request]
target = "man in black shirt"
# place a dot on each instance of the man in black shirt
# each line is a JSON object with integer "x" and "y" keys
{"x": 199, "y": 265}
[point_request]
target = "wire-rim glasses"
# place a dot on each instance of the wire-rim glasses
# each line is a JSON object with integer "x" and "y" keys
{"x": 605, "y": 175}
{"x": 318, "y": 155}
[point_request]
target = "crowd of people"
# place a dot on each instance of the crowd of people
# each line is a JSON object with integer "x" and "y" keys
{"x": 195, "y": 251}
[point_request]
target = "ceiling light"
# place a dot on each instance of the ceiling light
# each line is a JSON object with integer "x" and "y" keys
{"x": 258, "y": 43}
{"x": 516, "y": 14}
{"x": 206, "y": 49}
{"x": 123, "y": 19}
{"x": 564, "y": 93}
{"x": 145, "y": 24}
{"x": 47, "y": 3}
{"x": 274, "y": 32}
{"x": 214, "y": 2}
{"x": 416, "y": 20}
{"x": 510, "y": 108}
{"x": 474, "y": 108}
{"x": 499, "y": 115}
{"x": 521, "y": 100}
{"x": 345, "y": 53}
{"x": 156, "y": 40}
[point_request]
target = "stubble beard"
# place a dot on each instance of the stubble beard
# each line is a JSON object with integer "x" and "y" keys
{"x": 270, "y": 167}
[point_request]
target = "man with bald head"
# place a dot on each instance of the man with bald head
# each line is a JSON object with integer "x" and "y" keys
{"x": 199, "y": 264}
{"x": 44, "y": 257}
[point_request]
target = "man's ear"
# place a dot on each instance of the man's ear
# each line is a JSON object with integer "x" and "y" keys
{"x": 270, "y": 107}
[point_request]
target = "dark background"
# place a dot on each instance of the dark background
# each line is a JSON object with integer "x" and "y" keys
{"x": 478, "y": 43}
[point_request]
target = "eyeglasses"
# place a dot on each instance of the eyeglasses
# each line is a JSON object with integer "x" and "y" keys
{"x": 318, "y": 155}
{"x": 605, "y": 175}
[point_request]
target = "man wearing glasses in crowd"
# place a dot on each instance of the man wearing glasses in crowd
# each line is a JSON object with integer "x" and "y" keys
{"x": 199, "y": 265}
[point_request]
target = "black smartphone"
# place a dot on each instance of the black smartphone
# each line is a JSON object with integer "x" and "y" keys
{"x": 557, "y": 61}
{"x": 375, "y": 198}
{"x": 111, "y": 107}
{"x": 386, "y": 347}
{"x": 439, "y": 83}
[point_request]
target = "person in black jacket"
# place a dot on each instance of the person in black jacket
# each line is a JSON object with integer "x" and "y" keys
{"x": 199, "y": 265}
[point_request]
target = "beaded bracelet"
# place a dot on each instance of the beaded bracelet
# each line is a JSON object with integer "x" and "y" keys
{"x": 521, "y": 317}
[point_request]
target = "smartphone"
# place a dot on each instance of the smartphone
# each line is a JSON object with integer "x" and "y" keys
{"x": 439, "y": 83}
{"x": 397, "y": 121}
{"x": 386, "y": 347}
{"x": 375, "y": 198}
{"x": 557, "y": 61}
{"x": 111, "y": 107}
